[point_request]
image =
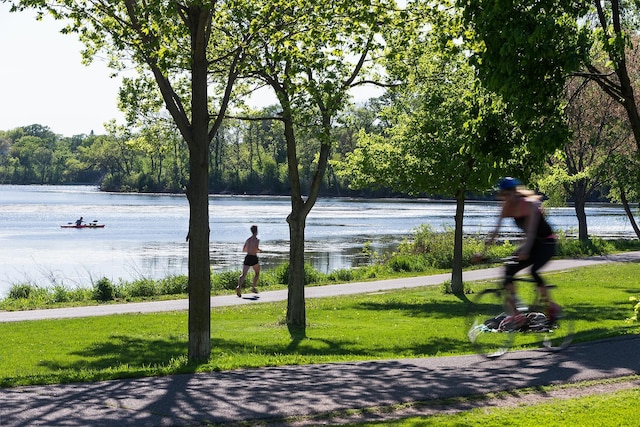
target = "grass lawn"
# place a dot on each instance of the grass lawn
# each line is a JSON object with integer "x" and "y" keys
{"x": 420, "y": 322}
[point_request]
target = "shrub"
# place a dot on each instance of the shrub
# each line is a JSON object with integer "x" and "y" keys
{"x": 311, "y": 275}
{"x": 445, "y": 288}
{"x": 371, "y": 272}
{"x": 506, "y": 249}
{"x": 60, "y": 293}
{"x": 280, "y": 274}
{"x": 570, "y": 247}
{"x": 103, "y": 290}
{"x": 79, "y": 294}
{"x": 407, "y": 263}
{"x": 174, "y": 285}
{"x": 142, "y": 288}
{"x": 266, "y": 279}
{"x": 225, "y": 280}
{"x": 423, "y": 239}
{"x": 21, "y": 291}
{"x": 436, "y": 250}
{"x": 342, "y": 275}
{"x": 369, "y": 255}
{"x": 433, "y": 249}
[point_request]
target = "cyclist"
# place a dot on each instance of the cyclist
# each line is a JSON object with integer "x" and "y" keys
{"x": 539, "y": 246}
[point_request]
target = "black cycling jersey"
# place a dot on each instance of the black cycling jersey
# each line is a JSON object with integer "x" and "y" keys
{"x": 544, "y": 230}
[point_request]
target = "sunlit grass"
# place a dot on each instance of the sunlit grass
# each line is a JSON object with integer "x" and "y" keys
{"x": 420, "y": 322}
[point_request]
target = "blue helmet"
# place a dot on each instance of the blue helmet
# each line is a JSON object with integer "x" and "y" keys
{"x": 509, "y": 183}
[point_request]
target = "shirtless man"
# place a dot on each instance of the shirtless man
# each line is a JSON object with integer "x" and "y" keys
{"x": 251, "y": 247}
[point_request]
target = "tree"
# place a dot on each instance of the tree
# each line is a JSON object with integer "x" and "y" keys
{"x": 310, "y": 62}
{"x": 33, "y": 146}
{"x": 550, "y": 40}
{"x": 614, "y": 29}
{"x": 441, "y": 122}
{"x": 617, "y": 35}
{"x": 598, "y": 135}
{"x": 183, "y": 47}
{"x": 262, "y": 154}
{"x": 624, "y": 183}
{"x": 524, "y": 51}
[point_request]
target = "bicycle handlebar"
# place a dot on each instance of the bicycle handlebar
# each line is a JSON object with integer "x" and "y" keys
{"x": 483, "y": 259}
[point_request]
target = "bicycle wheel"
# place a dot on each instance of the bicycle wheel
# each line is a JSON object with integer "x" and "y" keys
{"x": 557, "y": 328}
{"x": 560, "y": 334}
{"x": 484, "y": 316}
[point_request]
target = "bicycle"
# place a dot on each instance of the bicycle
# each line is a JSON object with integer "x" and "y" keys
{"x": 492, "y": 332}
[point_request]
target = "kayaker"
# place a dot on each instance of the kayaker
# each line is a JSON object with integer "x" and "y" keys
{"x": 79, "y": 222}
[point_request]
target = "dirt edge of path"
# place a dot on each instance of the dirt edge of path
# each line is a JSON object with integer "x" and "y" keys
{"x": 512, "y": 398}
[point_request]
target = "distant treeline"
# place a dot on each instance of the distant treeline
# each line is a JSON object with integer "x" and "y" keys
{"x": 246, "y": 157}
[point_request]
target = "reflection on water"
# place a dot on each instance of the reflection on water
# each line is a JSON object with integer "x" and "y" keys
{"x": 145, "y": 233}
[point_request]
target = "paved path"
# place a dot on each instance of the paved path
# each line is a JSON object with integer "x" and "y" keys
{"x": 271, "y": 395}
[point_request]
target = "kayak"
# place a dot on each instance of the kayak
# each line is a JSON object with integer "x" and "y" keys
{"x": 83, "y": 226}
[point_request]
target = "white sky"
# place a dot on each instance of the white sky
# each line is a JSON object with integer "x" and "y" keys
{"x": 42, "y": 79}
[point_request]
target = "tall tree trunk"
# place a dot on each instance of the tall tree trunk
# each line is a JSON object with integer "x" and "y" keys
{"x": 198, "y": 195}
{"x": 296, "y": 310}
{"x": 580, "y": 194}
{"x": 627, "y": 209}
{"x": 457, "y": 287}
{"x": 199, "y": 270}
{"x": 580, "y": 203}
{"x": 628, "y": 97}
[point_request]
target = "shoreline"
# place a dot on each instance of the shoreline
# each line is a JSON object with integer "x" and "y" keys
{"x": 348, "y": 288}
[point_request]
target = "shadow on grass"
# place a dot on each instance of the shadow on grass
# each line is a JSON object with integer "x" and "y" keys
{"x": 126, "y": 357}
{"x": 320, "y": 347}
{"x": 598, "y": 314}
{"x": 439, "y": 309}
{"x": 298, "y": 334}
{"x": 462, "y": 297}
{"x": 123, "y": 357}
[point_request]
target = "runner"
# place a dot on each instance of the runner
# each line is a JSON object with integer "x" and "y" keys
{"x": 251, "y": 247}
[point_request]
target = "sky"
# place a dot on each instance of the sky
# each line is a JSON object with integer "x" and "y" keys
{"x": 43, "y": 81}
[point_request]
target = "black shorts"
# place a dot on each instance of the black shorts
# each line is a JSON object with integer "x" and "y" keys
{"x": 541, "y": 252}
{"x": 251, "y": 260}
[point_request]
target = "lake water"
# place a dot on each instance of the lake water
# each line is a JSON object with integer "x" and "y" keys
{"x": 145, "y": 234}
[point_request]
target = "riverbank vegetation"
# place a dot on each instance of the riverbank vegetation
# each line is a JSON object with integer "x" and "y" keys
{"x": 426, "y": 252}
{"x": 418, "y": 322}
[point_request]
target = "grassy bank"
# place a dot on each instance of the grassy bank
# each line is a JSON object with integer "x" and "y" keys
{"x": 422, "y": 322}
{"x": 427, "y": 252}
